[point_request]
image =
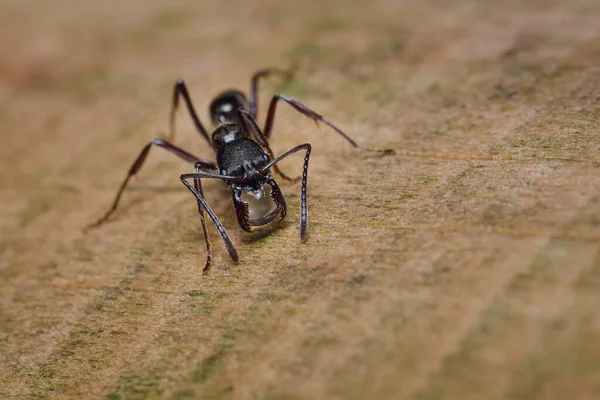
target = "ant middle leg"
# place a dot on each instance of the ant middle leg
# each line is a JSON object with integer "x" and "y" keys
{"x": 301, "y": 108}
{"x": 139, "y": 162}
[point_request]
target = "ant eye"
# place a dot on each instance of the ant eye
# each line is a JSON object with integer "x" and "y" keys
{"x": 223, "y": 172}
{"x": 266, "y": 156}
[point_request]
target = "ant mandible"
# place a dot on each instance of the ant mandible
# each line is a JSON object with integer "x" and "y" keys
{"x": 244, "y": 157}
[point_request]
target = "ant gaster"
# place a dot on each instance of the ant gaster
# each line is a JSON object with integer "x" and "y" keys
{"x": 244, "y": 157}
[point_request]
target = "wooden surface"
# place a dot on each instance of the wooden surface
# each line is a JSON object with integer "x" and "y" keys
{"x": 465, "y": 267}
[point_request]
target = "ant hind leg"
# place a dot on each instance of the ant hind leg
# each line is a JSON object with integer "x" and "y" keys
{"x": 308, "y": 112}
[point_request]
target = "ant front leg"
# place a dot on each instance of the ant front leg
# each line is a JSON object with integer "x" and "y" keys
{"x": 301, "y": 108}
{"x": 203, "y": 208}
{"x": 303, "y": 201}
{"x": 202, "y": 211}
{"x": 287, "y": 74}
{"x": 139, "y": 162}
{"x": 181, "y": 90}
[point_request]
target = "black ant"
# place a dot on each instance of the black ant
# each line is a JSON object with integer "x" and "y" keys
{"x": 244, "y": 157}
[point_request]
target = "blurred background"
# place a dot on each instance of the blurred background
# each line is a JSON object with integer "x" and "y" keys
{"x": 464, "y": 267}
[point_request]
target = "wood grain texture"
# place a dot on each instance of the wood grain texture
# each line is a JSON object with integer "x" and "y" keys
{"x": 464, "y": 267}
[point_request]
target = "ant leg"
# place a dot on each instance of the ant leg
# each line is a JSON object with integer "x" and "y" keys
{"x": 301, "y": 108}
{"x": 139, "y": 162}
{"x": 263, "y": 73}
{"x": 181, "y": 90}
{"x": 303, "y": 203}
{"x": 205, "y": 208}
{"x": 202, "y": 211}
{"x": 255, "y": 131}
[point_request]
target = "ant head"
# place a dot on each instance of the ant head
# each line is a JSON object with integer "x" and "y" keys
{"x": 224, "y": 108}
{"x": 243, "y": 158}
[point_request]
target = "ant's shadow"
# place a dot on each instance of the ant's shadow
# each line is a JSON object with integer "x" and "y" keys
{"x": 260, "y": 233}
